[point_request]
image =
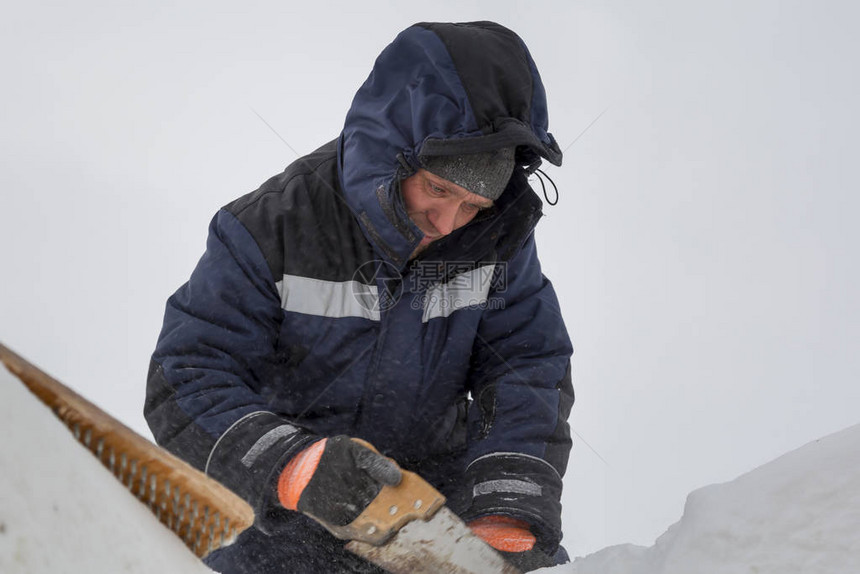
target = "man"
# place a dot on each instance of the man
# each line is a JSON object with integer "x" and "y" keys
{"x": 385, "y": 287}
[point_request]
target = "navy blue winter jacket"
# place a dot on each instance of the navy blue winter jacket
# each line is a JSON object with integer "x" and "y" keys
{"x": 306, "y": 316}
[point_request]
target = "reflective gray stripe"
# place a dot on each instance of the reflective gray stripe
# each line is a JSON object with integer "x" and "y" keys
{"x": 266, "y": 442}
{"x": 334, "y": 299}
{"x": 463, "y": 290}
{"x": 512, "y": 486}
{"x": 515, "y": 455}
{"x": 226, "y": 432}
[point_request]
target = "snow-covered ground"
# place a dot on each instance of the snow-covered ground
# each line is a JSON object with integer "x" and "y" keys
{"x": 797, "y": 514}
{"x": 60, "y": 511}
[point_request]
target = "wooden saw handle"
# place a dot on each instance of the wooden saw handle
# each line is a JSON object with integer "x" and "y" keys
{"x": 413, "y": 499}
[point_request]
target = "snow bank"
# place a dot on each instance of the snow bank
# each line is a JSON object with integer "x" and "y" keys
{"x": 799, "y": 513}
{"x": 61, "y": 511}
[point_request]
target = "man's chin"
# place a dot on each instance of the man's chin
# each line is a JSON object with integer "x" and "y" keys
{"x": 421, "y": 247}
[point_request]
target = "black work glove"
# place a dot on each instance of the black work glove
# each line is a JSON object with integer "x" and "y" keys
{"x": 335, "y": 479}
{"x": 520, "y": 487}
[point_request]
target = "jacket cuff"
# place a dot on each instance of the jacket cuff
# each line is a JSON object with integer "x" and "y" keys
{"x": 520, "y": 486}
{"x": 250, "y": 455}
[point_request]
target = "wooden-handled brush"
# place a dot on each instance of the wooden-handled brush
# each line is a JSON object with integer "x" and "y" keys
{"x": 201, "y": 511}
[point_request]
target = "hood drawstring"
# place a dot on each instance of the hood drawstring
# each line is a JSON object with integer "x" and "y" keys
{"x": 533, "y": 169}
{"x": 539, "y": 173}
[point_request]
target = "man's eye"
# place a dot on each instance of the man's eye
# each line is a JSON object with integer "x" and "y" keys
{"x": 436, "y": 190}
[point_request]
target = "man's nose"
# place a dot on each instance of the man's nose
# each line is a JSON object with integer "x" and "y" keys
{"x": 444, "y": 219}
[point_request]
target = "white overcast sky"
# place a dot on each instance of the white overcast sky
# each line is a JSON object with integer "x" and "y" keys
{"x": 704, "y": 247}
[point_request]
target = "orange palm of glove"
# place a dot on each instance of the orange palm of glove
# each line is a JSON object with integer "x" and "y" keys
{"x": 504, "y": 533}
{"x": 297, "y": 474}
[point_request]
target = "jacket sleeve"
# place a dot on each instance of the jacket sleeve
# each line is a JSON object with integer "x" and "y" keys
{"x": 519, "y": 438}
{"x": 203, "y": 400}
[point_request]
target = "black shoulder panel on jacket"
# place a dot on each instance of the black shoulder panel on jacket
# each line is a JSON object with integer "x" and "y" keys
{"x": 302, "y": 223}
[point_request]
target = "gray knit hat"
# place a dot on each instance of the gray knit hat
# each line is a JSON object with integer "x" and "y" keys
{"x": 485, "y": 173}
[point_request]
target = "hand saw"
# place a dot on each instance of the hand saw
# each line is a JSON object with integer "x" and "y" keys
{"x": 406, "y": 529}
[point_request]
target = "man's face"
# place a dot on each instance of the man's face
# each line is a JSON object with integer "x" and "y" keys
{"x": 438, "y": 206}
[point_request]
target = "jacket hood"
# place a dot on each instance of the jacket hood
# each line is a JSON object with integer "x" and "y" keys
{"x": 437, "y": 89}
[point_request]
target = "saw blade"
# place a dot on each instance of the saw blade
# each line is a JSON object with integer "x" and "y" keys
{"x": 442, "y": 544}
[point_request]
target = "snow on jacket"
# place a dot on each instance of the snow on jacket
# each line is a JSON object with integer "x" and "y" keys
{"x": 306, "y": 316}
